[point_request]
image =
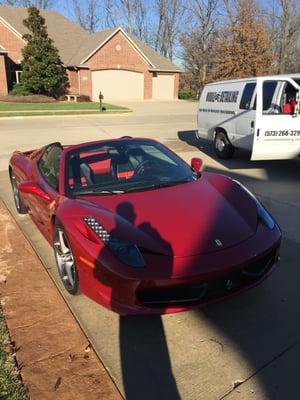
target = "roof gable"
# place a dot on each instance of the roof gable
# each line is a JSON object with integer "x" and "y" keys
{"x": 101, "y": 38}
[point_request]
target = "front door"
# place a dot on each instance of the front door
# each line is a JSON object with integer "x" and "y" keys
{"x": 277, "y": 128}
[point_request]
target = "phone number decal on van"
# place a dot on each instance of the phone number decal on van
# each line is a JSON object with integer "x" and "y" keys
{"x": 216, "y": 111}
{"x": 283, "y": 133}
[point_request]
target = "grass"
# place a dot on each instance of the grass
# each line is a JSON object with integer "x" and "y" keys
{"x": 67, "y": 106}
{"x": 63, "y": 108}
{"x": 11, "y": 388}
{"x": 32, "y": 113}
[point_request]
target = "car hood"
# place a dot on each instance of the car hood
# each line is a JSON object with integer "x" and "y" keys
{"x": 207, "y": 215}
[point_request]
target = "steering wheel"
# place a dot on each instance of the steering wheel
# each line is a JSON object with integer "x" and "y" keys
{"x": 142, "y": 167}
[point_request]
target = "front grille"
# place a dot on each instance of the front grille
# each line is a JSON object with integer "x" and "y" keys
{"x": 197, "y": 293}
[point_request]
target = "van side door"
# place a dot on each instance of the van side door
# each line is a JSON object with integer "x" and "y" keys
{"x": 277, "y": 131}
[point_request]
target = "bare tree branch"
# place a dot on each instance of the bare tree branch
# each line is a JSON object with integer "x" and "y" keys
{"x": 170, "y": 16}
{"x": 88, "y": 17}
{"x": 29, "y": 3}
{"x": 197, "y": 44}
{"x": 132, "y": 15}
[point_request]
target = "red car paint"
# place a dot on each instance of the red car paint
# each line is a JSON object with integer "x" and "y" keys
{"x": 177, "y": 229}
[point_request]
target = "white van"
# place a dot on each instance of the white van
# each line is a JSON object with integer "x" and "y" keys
{"x": 259, "y": 114}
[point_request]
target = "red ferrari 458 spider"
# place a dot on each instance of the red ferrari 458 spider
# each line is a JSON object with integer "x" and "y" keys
{"x": 138, "y": 230}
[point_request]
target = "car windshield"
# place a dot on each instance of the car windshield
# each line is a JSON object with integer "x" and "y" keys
{"x": 122, "y": 166}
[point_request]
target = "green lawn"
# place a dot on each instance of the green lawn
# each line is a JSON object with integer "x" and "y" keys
{"x": 65, "y": 106}
{"x": 11, "y": 388}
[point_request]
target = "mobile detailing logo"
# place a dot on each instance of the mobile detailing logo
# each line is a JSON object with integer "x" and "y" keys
{"x": 223, "y": 97}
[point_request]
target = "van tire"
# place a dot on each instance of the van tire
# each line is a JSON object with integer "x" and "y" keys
{"x": 222, "y": 146}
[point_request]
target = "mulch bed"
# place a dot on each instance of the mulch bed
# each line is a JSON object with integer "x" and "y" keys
{"x": 55, "y": 358}
{"x": 28, "y": 99}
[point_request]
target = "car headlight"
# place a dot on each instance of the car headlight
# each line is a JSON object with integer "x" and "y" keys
{"x": 127, "y": 253}
{"x": 263, "y": 214}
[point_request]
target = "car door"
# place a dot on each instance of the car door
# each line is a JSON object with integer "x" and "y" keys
{"x": 277, "y": 134}
{"x": 47, "y": 177}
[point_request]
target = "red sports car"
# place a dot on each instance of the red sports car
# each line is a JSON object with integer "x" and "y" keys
{"x": 138, "y": 230}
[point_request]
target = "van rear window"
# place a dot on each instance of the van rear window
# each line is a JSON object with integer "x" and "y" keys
{"x": 247, "y": 96}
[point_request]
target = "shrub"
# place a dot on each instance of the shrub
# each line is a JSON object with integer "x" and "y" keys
{"x": 84, "y": 98}
{"x": 186, "y": 94}
{"x": 19, "y": 90}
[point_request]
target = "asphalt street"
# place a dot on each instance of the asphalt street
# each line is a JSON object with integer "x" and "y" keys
{"x": 246, "y": 347}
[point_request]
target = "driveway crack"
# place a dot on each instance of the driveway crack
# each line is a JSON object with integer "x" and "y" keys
{"x": 264, "y": 366}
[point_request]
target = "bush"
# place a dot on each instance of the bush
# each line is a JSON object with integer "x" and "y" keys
{"x": 84, "y": 98}
{"x": 19, "y": 90}
{"x": 186, "y": 94}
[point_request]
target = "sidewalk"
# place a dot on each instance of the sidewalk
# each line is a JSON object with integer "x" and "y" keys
{"x": 55, "y": 357}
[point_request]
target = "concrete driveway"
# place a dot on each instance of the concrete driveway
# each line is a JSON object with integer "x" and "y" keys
{"x": 151, "y": 119}
{"x": 247, "y": 347}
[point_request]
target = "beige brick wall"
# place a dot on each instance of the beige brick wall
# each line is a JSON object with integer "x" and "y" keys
{"x": 85, "y": 82}
{"x": 3, "y": 80}
{"x": 73, "y": 81}
{"x": 11, "y": 42}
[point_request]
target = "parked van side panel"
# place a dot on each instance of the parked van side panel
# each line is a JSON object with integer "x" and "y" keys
{"x": 219, "y": 108}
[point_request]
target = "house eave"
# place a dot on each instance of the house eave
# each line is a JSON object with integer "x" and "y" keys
{"x": 164, "y": 70}
{"x": 12, "y": 29}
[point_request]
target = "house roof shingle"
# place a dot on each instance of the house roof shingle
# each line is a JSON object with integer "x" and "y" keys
{"x": 74, "y": 43}
{"x": 65, "y": 34}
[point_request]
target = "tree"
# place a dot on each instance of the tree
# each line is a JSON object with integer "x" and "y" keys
{"x": 89, "y": 16}
{"x": 197, "y": 44}
{"x": 170, "y": 14}
{"x": 284, "y": 17}
{"x": 132, "y": 15}
{"x": 43, "y": 71}
{"x": 244, "y": 47}
{"x": 29, "y": 3}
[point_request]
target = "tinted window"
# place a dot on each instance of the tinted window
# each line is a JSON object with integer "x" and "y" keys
{"x": 268, "y": 93}
{"x": 247, "y": 96}
{"x": 124, "y": 166}
{"x": 49, "y": 165}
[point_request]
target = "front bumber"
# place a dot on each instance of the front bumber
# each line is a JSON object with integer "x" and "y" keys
{"x": 129, "y": 290}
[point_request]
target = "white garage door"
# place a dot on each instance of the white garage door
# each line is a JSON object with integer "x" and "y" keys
{"x": 163, "y": 87}
{"x": 118, "y": 84}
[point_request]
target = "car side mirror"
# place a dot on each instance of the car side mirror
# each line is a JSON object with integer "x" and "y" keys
{"x": 35, "y": 189}
{"x": 196, "y": 164}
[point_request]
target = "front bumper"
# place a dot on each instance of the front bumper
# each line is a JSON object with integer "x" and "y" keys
{"x": 174, "y": 284}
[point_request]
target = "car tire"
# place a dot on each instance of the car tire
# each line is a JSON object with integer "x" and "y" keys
{"x": 65, "y": 260}
{"x": 222, "y": 146}
{"x": 20, "y": 207}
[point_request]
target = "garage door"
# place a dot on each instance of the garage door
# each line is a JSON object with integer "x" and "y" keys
{"x": 118, "y": 84}
{"x": 163, "y": 87}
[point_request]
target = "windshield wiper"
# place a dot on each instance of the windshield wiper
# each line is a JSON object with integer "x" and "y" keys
{"x": 96, "y": 191}
{"x": 158, "y": 185}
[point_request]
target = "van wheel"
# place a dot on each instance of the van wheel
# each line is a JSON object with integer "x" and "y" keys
{"x": 222, "y": 146}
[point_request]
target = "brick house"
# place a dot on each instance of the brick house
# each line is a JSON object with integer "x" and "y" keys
{"x": 118, "y": 64}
